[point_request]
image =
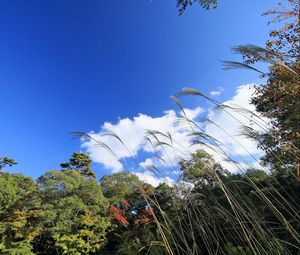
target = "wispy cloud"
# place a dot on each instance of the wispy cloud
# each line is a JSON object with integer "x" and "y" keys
{"x": 217, "y": 92}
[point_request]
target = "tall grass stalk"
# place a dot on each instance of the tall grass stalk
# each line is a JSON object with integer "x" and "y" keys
{"x": 236, "y": 223}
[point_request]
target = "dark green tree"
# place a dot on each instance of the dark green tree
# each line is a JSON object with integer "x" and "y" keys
{"x": 206, "y": 4}
{"x": 80, "y": 162}
{"x": 6, "y": 162}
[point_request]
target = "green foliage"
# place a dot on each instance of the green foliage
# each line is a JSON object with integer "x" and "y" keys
{"x": 65, "y": 213}
{"x": 226, "y": 212}
{"x": 12, "y": 188}
{"x": 126, "y": 194}
{"x": 72, "y": 202}
{"x": 199, "y": 168}
{"x": 237, "y": 250}
{"x": 19, "y": 248}
{"x": 15, "y": 188}
{"x": 206, "y": 4}
{"x": 80, "y": 162}
{"x": 118, "y": 186}
{"x": 6, "y": 162}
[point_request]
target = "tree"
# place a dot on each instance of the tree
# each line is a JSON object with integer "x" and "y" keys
{"x": 206, "y": 4}
{"x": 200, "y": 168}
{"x": 65, "y": 213}
{"x": 12, "y": 188}
{"x": 6, "y": 162}
{"x": 135, "y": 228}
{"x": 15, "y": 234}
{"x": 80, "y": 162}
{"x": 75, "y": 214}
{"x": 278, "y": 99}
{"x": 223, "y": 208}
{"x": 285, "y": 40}
{"x": 117, "y": 187}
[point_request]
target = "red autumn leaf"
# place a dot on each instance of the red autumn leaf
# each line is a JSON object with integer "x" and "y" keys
{"x": 148, "y": 211}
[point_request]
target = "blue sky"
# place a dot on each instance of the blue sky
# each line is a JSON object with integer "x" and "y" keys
{"x": 73, "y": 65}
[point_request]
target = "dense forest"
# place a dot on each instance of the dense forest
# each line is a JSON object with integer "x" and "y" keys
{"x": 208, "y": 211}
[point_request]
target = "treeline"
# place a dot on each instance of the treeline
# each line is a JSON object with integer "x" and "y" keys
{"x": 68, "y": 212}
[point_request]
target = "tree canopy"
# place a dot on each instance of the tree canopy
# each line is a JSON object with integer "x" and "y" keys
{"x": 81, "y": 163}
{"x": 206, "y": 4}
{"x": 6, "y": 162}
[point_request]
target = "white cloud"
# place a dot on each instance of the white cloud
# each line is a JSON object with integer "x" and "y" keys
{"x": 227, "y": 127}
{"x": 152, "y": 179}
{"x": 217, "y": 92}
{"x": 132, "y": 134}
{"x": 148, "y": 163}
{"x": 176, "y": 143}
{"x": 193, "y": 113}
